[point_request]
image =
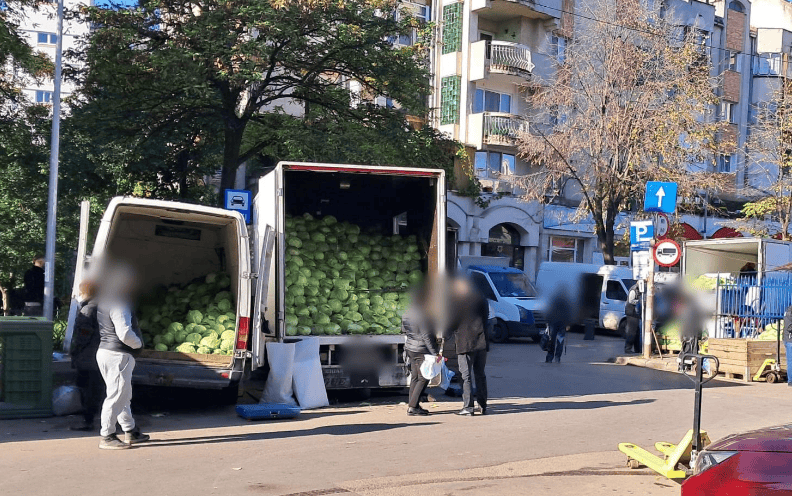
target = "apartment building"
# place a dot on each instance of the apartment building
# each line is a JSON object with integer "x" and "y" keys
{"x": 40, "y": 26}
{"x": 490, "y": 50}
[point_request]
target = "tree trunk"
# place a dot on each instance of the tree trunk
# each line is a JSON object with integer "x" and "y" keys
{"x": 233, "y": 137}
{"x": 605, "y": 235}
{"x": 5, "y": 308}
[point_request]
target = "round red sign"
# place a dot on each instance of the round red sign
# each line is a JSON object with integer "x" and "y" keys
{"x": 666, "y": 253}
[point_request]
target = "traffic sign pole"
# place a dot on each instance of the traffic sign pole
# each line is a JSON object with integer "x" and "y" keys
{"x": 649, "y": 306}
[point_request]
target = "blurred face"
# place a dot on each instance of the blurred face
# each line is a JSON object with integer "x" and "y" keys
{"x": 120, "y": 281}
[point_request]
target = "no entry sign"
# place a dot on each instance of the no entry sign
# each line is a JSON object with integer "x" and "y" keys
{"x": 666, "y": 253}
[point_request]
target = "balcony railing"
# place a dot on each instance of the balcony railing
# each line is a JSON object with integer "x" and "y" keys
{"x": 503, "y": 129}
{"x": 771, "y": 64}
{"x": 509, "y": 57}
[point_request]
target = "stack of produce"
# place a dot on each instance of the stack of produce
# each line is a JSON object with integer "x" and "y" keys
{"x": 340, "y": 280}
{"x": 196, "y": 318}
{"x": 770, "y": 332}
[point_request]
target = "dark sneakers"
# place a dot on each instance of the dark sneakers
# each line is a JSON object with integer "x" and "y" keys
{"x": 417, "y": 411}
{"x": 135, "y": 436}
{"x": 112, "y": 443}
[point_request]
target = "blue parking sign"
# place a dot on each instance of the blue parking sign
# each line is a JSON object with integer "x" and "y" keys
{"x": 240, "y": 200}
{"x": 641, "y": 235}
{"x": 660, "y": 197}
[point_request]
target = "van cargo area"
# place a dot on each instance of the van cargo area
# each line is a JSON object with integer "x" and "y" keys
{"x": 172, "y": 248}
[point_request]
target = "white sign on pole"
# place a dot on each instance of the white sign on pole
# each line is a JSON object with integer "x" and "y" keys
{"x": 641, "y": 264}
{"x": 661, "y": 225}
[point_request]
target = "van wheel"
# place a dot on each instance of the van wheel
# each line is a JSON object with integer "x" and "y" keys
{"x": 500, "y": 332}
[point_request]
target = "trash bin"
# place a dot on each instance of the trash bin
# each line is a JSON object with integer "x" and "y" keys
{"x": 26, "y": 346}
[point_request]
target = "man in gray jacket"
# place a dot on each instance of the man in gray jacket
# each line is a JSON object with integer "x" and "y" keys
{"x": 120, "y": 340}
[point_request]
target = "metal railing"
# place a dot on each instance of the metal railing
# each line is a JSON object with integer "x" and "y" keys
{"x": 746, "y": 305}
{"x": 509, "y": 57}
{"x": 503, "y": 127}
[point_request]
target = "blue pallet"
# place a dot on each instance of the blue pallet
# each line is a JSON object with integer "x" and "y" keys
{"x": 267, "y": 411}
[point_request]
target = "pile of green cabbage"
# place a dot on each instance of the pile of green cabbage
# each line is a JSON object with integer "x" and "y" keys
{"x": 341, "y": 280}
{"x": 771, "y": 330}
{"x": 196, "y": 318}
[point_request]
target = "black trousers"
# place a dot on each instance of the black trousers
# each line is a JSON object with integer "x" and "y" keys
{"x": 92, "y": 392}
{"x": 472, "y": 366}
{"x": 632, "y": 334}
{"x": 418, "y": 383}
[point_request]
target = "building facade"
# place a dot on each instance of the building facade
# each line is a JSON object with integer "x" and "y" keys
{"x": 488, "y": 51}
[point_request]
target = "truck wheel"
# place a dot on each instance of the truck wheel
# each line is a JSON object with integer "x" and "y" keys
{"x": 500, "y": 332}
{"x": 229, "y": 395}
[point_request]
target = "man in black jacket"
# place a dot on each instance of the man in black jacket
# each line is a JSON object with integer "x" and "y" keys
{"x": 470, "y": 313}
{"x": 85, "y": 342}
{"x": 34, "y": 288}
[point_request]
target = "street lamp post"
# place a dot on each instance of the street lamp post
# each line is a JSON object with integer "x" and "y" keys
{"x": 52, "y": 195}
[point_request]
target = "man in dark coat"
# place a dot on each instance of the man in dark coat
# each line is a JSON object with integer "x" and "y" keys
{"x": 632, "y": 320}
{"x": 469, "y": 314}
{"x": 34, "y": 288}
{"x": 420, "y": 341}
{"x": 85, "y": 342}
{"x": 559, "y": 316}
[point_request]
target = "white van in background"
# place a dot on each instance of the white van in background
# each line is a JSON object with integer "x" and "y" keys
{"x": 616, "y": 282}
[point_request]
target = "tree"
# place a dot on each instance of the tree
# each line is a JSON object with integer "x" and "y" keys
{"x": 628, "y": 104}
{"x": 204, "y": 72}
{"x": 769, "y": 162}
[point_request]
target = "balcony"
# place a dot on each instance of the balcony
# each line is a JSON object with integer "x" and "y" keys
{"x": 496, "y": 129}
{"x": 771, "y": 64}
{"x": 512, "y": 62}
{"x": 499, "y": 10}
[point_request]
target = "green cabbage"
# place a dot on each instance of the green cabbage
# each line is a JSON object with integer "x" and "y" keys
{"x": 161, "y": 347}
{"x": 186, "y": 348}
{"x": 195, "y": 316}
{"x": 194, "y": 338}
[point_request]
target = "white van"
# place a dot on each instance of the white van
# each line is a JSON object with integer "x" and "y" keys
{"x": 615, "y": 284}
{"x": 511, "y": 295}
{"x": 175, "y": 243}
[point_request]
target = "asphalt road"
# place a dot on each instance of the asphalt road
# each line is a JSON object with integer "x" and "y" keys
{"x": 553, "y": 430}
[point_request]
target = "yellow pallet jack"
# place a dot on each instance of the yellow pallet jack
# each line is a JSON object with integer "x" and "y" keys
{"x": 686, "y": 451}
{"x": 771, "y": 369}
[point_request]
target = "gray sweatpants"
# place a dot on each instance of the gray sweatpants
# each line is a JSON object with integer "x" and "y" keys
{"x": 117, "y": 371}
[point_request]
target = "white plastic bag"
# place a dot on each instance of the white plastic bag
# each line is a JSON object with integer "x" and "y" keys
{"x": 430, "y": 368}
{"x": 66, "y": 401}
{"x": 445, "y": 377}
{"x": 279, "y": 385}
{"x": 308, "y": 382}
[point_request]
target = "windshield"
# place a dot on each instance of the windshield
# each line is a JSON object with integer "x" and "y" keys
{"x": 516, "y": 285}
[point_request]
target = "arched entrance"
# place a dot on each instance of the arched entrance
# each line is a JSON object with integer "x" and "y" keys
{"x": 504, "y": 241}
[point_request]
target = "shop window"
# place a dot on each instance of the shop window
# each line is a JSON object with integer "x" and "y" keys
{"x": 564, "y": 249}
{"x": 504, "y": 241}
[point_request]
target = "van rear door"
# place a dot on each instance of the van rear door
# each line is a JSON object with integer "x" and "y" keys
{"x": 266, "y": 251}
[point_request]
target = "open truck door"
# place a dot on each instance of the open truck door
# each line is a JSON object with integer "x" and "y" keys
{"x": 261, "y": 329}
{"x": 80, "y": 270}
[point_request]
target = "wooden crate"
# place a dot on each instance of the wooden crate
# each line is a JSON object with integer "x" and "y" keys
{"x": 198, "y": 358}
{"x": 742, "y": 358}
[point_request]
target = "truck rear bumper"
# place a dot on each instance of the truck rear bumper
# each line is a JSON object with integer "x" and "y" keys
{"x": 521, "y": 329}
{"x": 188, "y": 376}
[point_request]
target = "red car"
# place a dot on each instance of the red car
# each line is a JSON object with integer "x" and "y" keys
{"x": 753, "y": 463}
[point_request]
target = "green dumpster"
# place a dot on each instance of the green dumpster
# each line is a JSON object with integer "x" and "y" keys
{"x": 26, "y": 349}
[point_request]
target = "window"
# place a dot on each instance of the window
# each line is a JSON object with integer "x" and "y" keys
{"x": 490, "y": 101}
{"x": 513, "y": 285}
{"x": 565, "y": 249}
{"x": 492, "y": 163}
{"x": 504, "y": 241}
{"x": 727, "y": 112}
{"x": 615, "y": 291}
{"x": 451, "y": 91}
{"x": 732, "y": 62}
{"x": 44, "y": 96}
{"x": 724, "y": 163}
{"x": 452, "y": 28}
{"x": 737, "y": 6}
{"x": 558, "y": 48}
{"x": 47, "y": 38}
{"x": 483, "y": 286}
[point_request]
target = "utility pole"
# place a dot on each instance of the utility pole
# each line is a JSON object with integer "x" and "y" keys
{"x": 649, "y": 305}
{"x": 52, "y": 195}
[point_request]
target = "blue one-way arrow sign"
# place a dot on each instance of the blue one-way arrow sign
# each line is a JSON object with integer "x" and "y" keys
{"x": 660, "y": 197}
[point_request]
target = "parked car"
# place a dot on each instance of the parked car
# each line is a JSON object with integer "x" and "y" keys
{"x": 753, "y": 463}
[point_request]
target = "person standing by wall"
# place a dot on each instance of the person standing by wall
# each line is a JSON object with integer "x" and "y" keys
{"x": 469, "y": 312}
{"x": 85, "y": 343}
{"x": 34, "y": 288}
{"x": 120, "y": 340}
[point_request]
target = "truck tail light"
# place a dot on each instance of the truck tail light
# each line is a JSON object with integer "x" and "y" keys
{"x": 243, "y": 333}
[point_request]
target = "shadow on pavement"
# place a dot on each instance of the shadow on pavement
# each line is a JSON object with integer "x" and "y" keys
{"x": 331, "y": 430}
{"x": 505, "y": 408}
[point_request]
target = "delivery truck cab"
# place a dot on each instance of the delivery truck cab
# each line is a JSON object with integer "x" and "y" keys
{"x": 512, "y": 299}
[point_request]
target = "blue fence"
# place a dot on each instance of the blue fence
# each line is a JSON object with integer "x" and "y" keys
{"x": 746, "y": 304}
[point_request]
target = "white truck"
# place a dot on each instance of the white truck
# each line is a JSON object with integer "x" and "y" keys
{"x": 511, "y": 295}
{"x": 173, "y": 244}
